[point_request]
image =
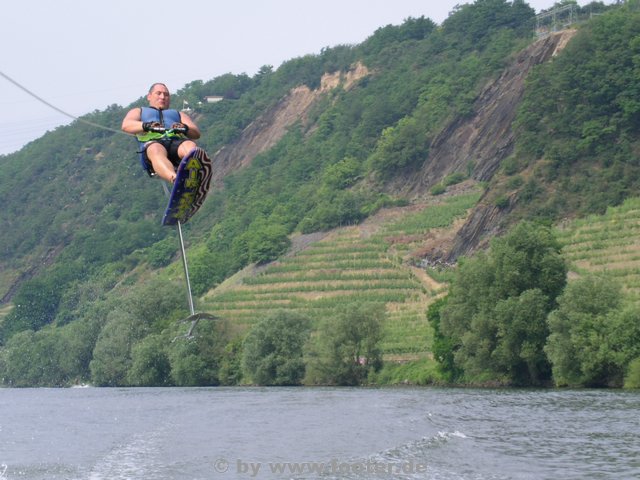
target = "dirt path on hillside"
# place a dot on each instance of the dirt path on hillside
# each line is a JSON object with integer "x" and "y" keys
{"x": 428, "y": 282}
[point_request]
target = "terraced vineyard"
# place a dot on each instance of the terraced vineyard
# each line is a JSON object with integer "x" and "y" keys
{"x": 366, "y": 262}
{"x": 608, "y": 244}
{"x": 372, "y": 262}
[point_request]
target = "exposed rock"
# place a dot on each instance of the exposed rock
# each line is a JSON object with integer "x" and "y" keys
{"x": 264, "y": 132}
{"x": 484, "y": 223}
{"x": 486, "y": 138}
{"x": 47, "y": 260}
{"x": 480, "y": 141}
{"x": 483, "y": 140}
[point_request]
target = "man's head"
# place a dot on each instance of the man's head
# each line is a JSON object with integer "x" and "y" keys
{"x": 158, "y": 96}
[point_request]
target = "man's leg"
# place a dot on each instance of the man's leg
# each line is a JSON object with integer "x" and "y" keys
{"x": 185, "y": 147}
{"x": 157, "y": 155}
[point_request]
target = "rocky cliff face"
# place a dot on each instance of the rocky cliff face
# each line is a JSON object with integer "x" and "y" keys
{"x": 264, "y": 132}
{"x": 483, "y": 141}
{"x": 486, "y": 138}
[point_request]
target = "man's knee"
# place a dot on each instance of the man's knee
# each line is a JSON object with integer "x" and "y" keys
{"x": 185, "y": 147}
{"x": 156, "y": 150}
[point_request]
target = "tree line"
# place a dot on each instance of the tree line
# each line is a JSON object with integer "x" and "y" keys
{"x": 511, "y": 318}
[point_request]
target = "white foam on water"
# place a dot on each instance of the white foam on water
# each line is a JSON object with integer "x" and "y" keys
{"x": 135, "y": 459}
{"x": 449, "y": 435}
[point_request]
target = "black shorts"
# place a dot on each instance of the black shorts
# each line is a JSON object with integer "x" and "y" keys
{"x": 171, "y": 145}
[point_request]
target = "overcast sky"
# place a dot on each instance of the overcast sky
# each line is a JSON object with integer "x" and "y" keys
{"x": 82, "y": 55}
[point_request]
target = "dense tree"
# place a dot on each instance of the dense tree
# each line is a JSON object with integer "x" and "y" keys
{"x": 581, "y": 114}
{"x": 346, "y": 349}
{"x": 273, "y": 349}
{"x": 343, "y": 174}
{"x": 112, "y": 354}
{"x": 230, "y": 372}
{"x": 161, "y": 253}
{"x": 196, "y": 361}
{"x": 36, "y": 306}
{"x": 521, "y": 331}
{"x": 411, "y": 29}
{"x": 495, "y": 317}
{"x": 150, "y": 366}
{"x": 51, "y": 357}
{"x": 473, "y": 24}
{"x": 443, "y": 346}
{"x": 144, "y": 311}
{"x": 404, "y": 146}
{"x": 264, "y": 241}
{"x": 594, "y": 335}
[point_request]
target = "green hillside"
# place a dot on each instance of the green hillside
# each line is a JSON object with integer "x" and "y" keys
{"x": 362, "y": 263}
{"x": 91, "y": 284}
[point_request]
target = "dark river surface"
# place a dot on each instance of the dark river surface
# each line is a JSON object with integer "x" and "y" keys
{"x": 325, "y": 433}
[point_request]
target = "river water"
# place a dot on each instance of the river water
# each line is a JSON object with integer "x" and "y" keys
{"x": 323, "y": 433}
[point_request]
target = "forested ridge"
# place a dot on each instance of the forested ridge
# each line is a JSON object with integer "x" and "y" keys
{"x": 92, "y": 285}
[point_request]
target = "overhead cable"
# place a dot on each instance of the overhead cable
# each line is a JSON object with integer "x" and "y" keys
{"x": 42, "y": 100}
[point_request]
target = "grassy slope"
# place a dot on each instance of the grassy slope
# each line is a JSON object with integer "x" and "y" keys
{"x": 373, "y": 262}
{"x": 367, "y": 262}
{"x": 607, "y": 244}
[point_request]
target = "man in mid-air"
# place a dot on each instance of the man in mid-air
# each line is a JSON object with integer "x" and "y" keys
{"x": 165, "y": 135}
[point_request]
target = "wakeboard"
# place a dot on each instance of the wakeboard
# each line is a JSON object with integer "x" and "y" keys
{"x": 190, "y": 188}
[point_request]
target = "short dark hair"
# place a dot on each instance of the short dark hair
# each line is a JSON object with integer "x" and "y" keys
{"x": 157, "y": 83}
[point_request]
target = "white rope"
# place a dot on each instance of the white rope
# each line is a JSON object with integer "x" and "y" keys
{"x": 42, "y": 100}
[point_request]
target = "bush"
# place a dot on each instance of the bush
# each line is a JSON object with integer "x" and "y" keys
{"x": 453, "y": 179}
{"x": 161, "y": 253}
{"x": 196, "y": 361}
{"x": 150, "y": 365}
{"x": 419, "y": 372}
{"x": 593, "y": 334}
{"x": 438, "y": 189}
{"x": 443, "y": 346}
{"x": 502, "y": 202}
{"x": 494, "y": 322}
{"x": 273, "y": 349}
{"x": 346, "y": 350}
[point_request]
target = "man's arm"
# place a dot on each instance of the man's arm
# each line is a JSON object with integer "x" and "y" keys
{"x": 194, "y": 132}
{"x": 132, "y": 122}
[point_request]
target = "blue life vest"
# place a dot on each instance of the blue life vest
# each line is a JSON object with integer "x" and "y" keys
{"x": 166, "y": 118}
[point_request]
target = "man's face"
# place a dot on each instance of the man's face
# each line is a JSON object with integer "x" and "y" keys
{"x": 159, "y": 97}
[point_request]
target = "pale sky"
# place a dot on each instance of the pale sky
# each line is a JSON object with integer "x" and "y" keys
{"x": 83, "y": 55}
